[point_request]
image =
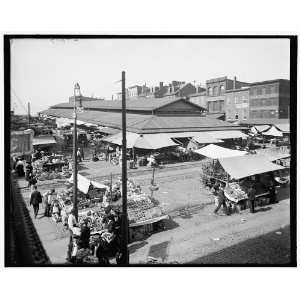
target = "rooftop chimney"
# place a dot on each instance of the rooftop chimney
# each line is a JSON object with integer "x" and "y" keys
{"x": 161, "y": 84}
{"x": 234, "y": 82}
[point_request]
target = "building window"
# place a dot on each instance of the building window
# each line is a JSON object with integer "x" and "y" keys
{"x": 215, "y": 91}
{"x": 236, "y": 100}
{"x": 236, "y": 116}
{"x": 263, "y": 90}
{"x": 258, "y": 91}
{"x": 244, "y": 114}
{"x": 222, "y": 89}
{"x": 268, "y": 90}
{"x": 210, "y": 91}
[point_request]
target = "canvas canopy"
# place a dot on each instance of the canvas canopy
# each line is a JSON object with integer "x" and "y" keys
{"x": 146, "y": 141}
{"x": 216, "y": 152}
{"x": 84, "y": 183}
{"x": 43, "y": 140}
{"x": 262, "y": 128}
{"x": 283, "y": 127}
{"x": 154, "y": 141}
{"x": 206, "y": 138}
{"x": 243, "y": 166}
{"x": 227, "y": 134}
{"x": 273, "y": 131}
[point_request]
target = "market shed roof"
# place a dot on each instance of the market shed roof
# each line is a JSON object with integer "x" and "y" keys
{"x": 146, "y": 123}
{"x": 147, "y": 104}
{"x": 243, "y": 166}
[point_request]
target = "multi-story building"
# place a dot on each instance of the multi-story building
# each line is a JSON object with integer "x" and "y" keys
{"x": 216, "y": 89}
{"x": 270, "y": 99}
{"x": 237, "y": 104}
{"x": 260, "y": 100}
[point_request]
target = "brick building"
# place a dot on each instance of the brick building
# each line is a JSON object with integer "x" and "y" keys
{"x": 260, "y": 100}
{"x": 237, "y": 104}
{"x": 270, "y": 99}
{"x": 216, "y": 89}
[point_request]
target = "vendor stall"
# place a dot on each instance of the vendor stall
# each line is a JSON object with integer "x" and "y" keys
{"x": 245, "y": 171}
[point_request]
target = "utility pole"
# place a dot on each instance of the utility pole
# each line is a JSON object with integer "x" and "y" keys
{"x": 28, "y": 111}
{"x": 125, "y": 255}
{"x": 75, "y": 202}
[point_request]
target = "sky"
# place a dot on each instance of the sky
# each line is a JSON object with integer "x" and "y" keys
{"x": 44, "y": 72}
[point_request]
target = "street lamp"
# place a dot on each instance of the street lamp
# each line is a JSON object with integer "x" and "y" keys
{"x": 77, "y": 96}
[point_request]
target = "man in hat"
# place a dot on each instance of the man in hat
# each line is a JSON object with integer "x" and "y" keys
{"x": 35, "y": 200}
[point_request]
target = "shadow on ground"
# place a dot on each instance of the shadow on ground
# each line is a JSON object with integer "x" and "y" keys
{"x": 271, "y": 248}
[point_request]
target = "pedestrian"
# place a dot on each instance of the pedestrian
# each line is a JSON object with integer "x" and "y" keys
{"x": 79, "y": 155}
{"x": 20, "y": 168}
{"x": 35, "y": 200}
{"x": 251, "y": 198}
{"x": 272, "y": 193}
{"x": 82, "y": 153}
{"x": 85, "y": 233}
{"x": 32, "y": 181}
{"x": 71, "y": 224}
{"x": 221, "y": 200}
{"x": 49, "y": 200}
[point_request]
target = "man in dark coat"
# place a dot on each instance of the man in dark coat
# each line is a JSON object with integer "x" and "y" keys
{"x": 272, "y": 192}
{"x": 35, "y": 200}
{"x": 251, "y": 197}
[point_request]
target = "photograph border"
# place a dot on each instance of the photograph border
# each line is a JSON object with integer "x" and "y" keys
{"x": 293, "y": 125}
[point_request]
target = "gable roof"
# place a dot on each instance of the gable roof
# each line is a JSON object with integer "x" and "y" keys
{"x": 146, "y": 123}
{"x": 147, "y": 104}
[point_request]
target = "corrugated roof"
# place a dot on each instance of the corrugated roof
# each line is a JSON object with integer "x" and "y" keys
{"x": 264, "y": 121}
{"x": 147, "y": 123}
{"x": 137, "y": 104}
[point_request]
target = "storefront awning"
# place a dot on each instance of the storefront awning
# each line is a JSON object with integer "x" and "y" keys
{"x": 227, "y": 134}
{"x": 43, "y": 140}
{"x": 243, "y": 166}
{"x": 273, "y": 131}
{"x": 216, "y": 152}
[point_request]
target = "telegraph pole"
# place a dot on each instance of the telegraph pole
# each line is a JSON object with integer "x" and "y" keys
{"x": 28, "y": 111}
{"x": 125, "y": 229}
{"x": 75, "y": 167}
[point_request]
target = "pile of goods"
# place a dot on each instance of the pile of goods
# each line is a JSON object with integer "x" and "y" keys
{"x": 213, "y": 169}
{"x": 235, "y": 192}
{"x": 43, "y": 173}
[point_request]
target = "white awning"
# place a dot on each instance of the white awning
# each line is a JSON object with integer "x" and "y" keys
{"x": 245, "y": 166}
{"x": 43, "y": 140}
{"x": 273, "y": 131}
{"x": 283, "y": 127}
{"x": 146, "y": 141}
{"x": 83, "y": 183}
{"x": 262, "y": 128}
{"x": 216, "y": 152}
{"x": 154, "y": 141}
{"x": 206, "y": 138}
{"x": 227, "y": 134}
